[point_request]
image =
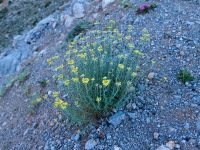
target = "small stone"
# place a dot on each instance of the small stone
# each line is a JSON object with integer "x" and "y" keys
{"x": 177, "y": 146}
{"x": 4, "y": 124}
{"x": 78, "y": 10}
{"x": 49, "y": 93}
{"x": 129, "y": 106}
{"x": 90, "y": 144}
{"x": 170, "y": 144}
{"x": 69, "y": 20}
{"x": 134, "y": 106}
{"x": 198, "y": 125}
{"x": 26, "y": 131}
{"x": 51, "y": 124}
{"x": 132, "y": 115}
{"x": 187, "y": 126}
{"x": 162, "y": 147}
{"x": 117, "y": 118}
{"x": 151, "y": 75}
{"x": 108, "y": 136}
{"x": 76, "y": 137}
{"x": 116, "y": 147}
{"x": 155, "y": 135}
{"x": 105, "y": 3}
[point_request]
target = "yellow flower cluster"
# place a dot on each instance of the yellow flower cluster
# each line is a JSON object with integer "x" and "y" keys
{"x": 51, "y": 60}
{"x": 60, "y": 103}
{"x": 105, "y": 82}
{"x": 121, "y": 66}
{"x": 85, "y": 80}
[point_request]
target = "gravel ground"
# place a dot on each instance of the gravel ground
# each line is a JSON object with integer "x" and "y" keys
{"x": 164, "y": 115}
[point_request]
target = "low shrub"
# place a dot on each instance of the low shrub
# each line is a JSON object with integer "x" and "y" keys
{"x": 79, "y": 28}
{"x": 100, "y": 71}
{"x": 185, "y": 76}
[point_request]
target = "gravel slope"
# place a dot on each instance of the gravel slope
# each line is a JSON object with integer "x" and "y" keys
{"x": 164, "y": 112}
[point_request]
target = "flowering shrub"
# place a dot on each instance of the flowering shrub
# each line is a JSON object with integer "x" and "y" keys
{"x": 99, "y": 72}
{"x": 144, "y": 8}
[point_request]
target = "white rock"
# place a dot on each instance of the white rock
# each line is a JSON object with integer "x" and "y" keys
{"x": 90, "y": 144}
{"x": 105, "y": 3}
{"x": 117, "y": 148}
{"x": 155, "y": 135}
{"x": 170, "y": 144}
{"x": 162, "y": 147}
{"x": 69, "y": 20}
{"x": 78, "y": 10}
{"x": 151, "y": 75}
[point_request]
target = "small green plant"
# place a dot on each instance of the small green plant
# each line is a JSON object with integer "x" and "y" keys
{"x": 43, "y": 83}
{"x": 23, "y": 76}
{"x": 79, "y": 28}
{"x": 100, "y": 71}
{"x": 185, "y": 76}
{"x": 125, "y": 3}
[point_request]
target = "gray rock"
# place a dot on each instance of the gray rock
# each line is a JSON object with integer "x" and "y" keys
{"x": 132, "y": 115}
{"x": 151, "y": 75}
{"x": 76, "y": 137}
{"x": 155, "y": 135}
{"x": 198, "y": 125}
{"x": 90, "y": 144}
{"x": 162, "y": 147}
{"x": 78, "y": 10}
{"x": 105, "y": 3}
{"x": 117, "y": 118}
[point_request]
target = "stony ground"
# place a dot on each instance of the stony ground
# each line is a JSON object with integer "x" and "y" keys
{"x": 164, "y": 115}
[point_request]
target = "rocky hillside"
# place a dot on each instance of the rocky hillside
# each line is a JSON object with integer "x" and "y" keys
{"x": 163, "y": 113}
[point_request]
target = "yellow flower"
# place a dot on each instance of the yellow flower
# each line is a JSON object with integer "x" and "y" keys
{"x": 94, "y": 58}
{"x": 75, "y": 79}
{"x": 106, "y": 82}
{"x": 134, "y": 74}
{"x": 138, "y": 52}
{"x": 100, "y": 48}
{"x": 130, "y": 28}
{"x": 66, "y": 82}
{"x": 60, "y": 103}
{"x": 49, "y": 61}
{"x": 92, "y": 79}
{"x": 131, "y": 46}
{"x": 61, "y": 76}
{"x": 70, "y": 46}
{"x": 118, "y": 84}
{"x": 71, "y": 62}
{"x": 55, "y": 94}
{"x": 75, "y": 69}
{"x": 59, "y": 67}
{"x": 85, "y": 80}
{"x": 98, "y": 99}
{"x": 45, "y": 96}
{"x": 76, "y": 103}
{"x": 120, "y": 66}
{"x": 83, "y": 56}
{"x": 64, "y": 105}
{"x": 128, "y": 37}
{"x": 38, "y": 99}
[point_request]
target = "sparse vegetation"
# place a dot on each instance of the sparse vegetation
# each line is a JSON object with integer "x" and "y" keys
{"x": 185, "y": 76}
{"x": 125, "y": 3}
{"x": 79, "y": 28}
